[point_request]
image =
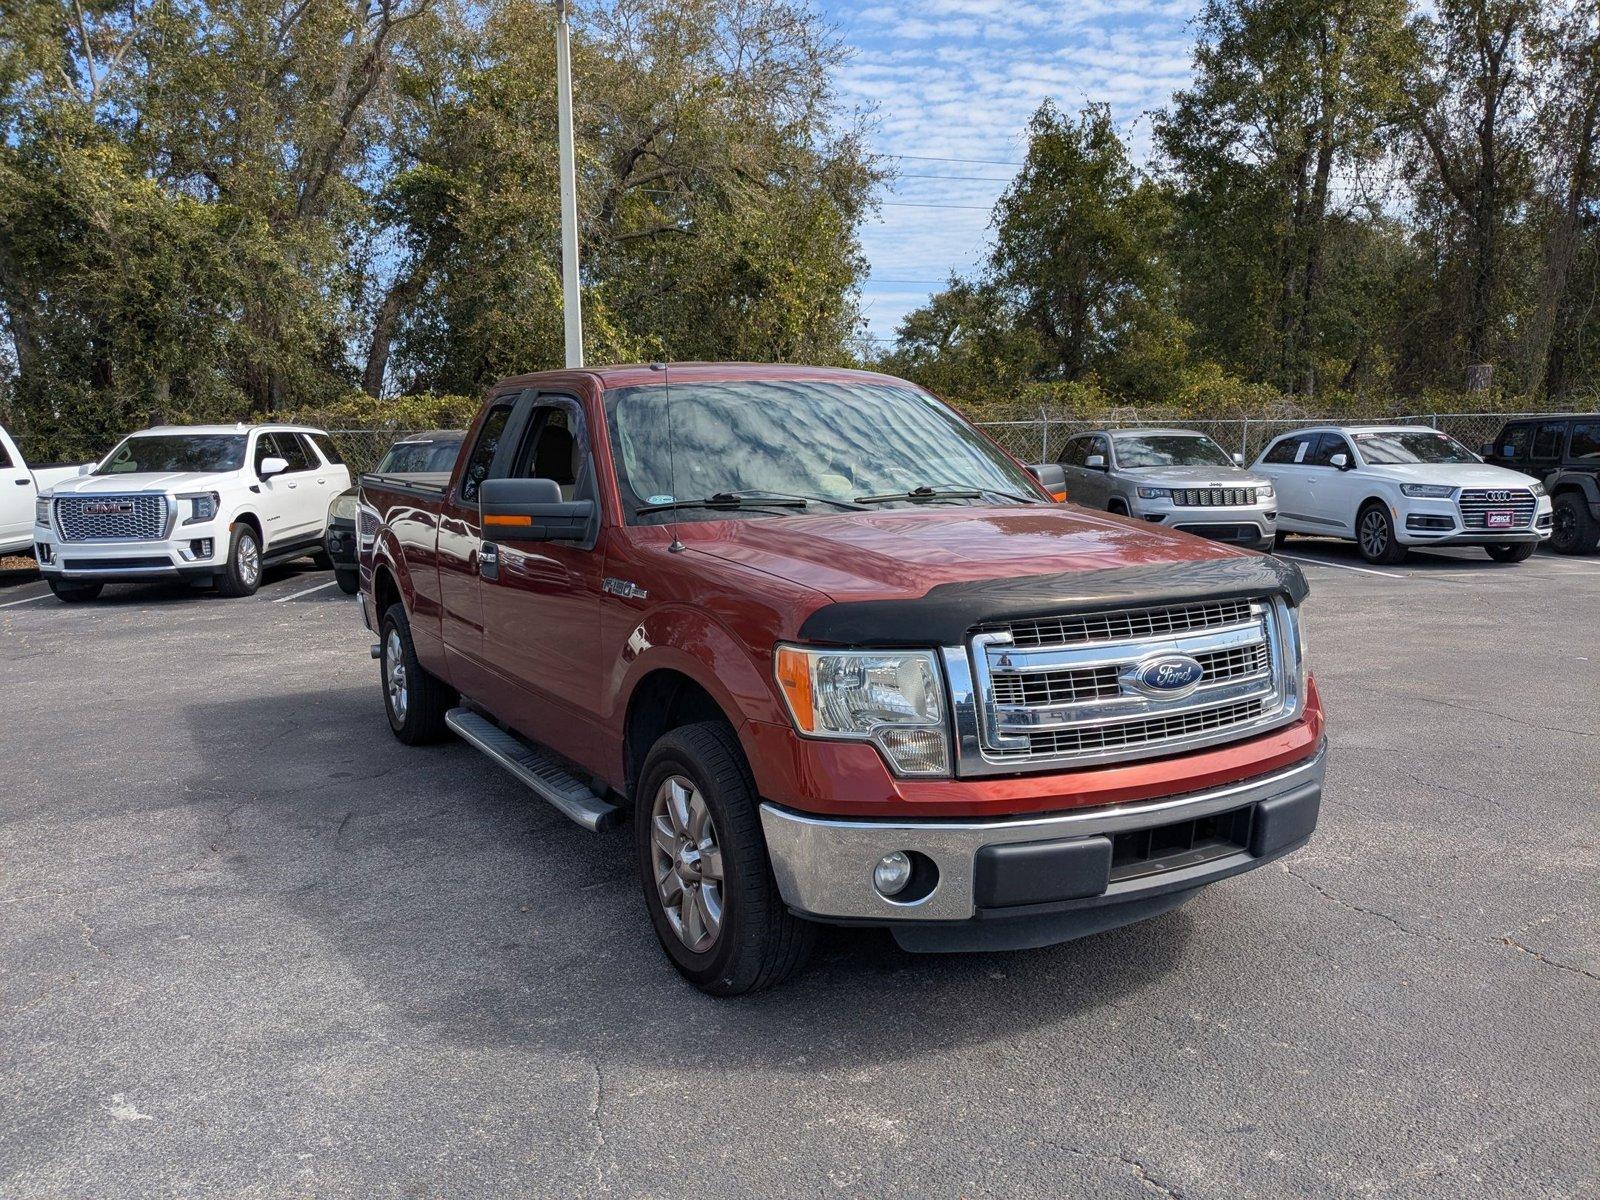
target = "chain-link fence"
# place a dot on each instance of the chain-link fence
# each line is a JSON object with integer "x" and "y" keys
{"x": 362, "y": 449}
{"x": 1041, "y": 439}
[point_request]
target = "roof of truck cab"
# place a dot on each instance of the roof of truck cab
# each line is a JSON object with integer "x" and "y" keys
{"x": 649, "y": 374}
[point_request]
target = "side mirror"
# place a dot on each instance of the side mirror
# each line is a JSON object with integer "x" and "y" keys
{"x": 1053, "y": 478}
{"x": 273, "y": 466}
{"x": 1340, "y": 460}
{"x": 1238, "y": 459}
{"x": 531, "y": 510}
{"x": 86, "y": 469}
{"x": 1095, "y": 462}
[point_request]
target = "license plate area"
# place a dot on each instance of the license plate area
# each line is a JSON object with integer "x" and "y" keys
{"x": 1499, "y": 518}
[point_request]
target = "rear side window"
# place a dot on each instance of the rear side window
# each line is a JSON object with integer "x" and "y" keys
{"x": 483, "y": 452}
{"x": 1289, "y": 450}
{"x": 325, "y": 444}
{"x": 1585, "y": 446}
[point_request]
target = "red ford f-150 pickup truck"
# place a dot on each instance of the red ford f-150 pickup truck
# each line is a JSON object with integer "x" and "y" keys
{"x": 842, "y": 660}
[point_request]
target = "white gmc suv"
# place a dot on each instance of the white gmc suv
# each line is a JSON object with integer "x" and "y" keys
{"x": 1391, "y": 488}
{"x": 210, "y": 503}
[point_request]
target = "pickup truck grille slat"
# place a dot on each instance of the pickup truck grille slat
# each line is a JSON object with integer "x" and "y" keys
{"x": 1066, "y": 691}
{"x": 1126, "y": 626}
{"x": 131, "y": 518}
{"x": 1477, "y": 503}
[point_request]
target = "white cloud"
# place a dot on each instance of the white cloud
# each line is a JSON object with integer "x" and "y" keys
{"x": 959, "y": 79}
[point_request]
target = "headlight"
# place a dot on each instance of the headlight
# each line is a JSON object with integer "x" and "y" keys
{"x": 1155, "y": 493}
{"x": 41, "y": 511}
{"x": 203, "y": 506}
{"x": 1436, "y": 491}
{"x": 1265, "y": 492}
{"x": 343, "y": 507}
{"x": 893, "y": 698}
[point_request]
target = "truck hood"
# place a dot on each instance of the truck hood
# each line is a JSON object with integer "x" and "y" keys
{"x": 1195, "y": 477}
{"x": 902, "y": 553}
{"x": 145, "y": 481}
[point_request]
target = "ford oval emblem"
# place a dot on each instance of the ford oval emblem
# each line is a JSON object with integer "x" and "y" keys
{"x": 1168, "y": 675}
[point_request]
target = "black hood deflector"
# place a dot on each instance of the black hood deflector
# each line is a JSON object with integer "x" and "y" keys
{"x": 945, "y": 615}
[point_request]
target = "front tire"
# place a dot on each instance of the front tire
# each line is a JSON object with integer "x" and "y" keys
{"x": 1376, "y": 538}
{"x": 1576, "y": 531}
{"x": 702, "y": 860}
{"x": 414, "y": 700}
{"x": 1515, "y": 552}
{"x": 70, "y": 592}
{"x": 242, "y": 574}
{"x": 348, "y": 579}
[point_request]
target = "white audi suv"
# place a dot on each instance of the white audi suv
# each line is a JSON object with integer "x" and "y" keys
{"x": 1392, "y": 488}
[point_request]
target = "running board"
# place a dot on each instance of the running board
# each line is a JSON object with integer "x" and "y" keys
{"x": 539, "y": 771}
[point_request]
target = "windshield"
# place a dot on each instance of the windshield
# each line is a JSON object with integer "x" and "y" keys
{"x": 1405, "y": 446}
{"x": 419, "y": 456}
{"x": 1170, "y": 450}
{"x": 834, "y": 442}
{"x": 189, "y": 452}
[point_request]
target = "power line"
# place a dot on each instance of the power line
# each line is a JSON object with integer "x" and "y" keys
{"x": 957, "y": 178}
{"x": 910, "y": 204}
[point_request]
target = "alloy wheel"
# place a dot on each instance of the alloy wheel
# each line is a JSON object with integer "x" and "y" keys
{"x": 394, "y": 673}
{"x": 1374, "y": 533}
{"x": 1565, "y": 531}
{"x": 688, "y": 863}
{"x": 249, "y": 560}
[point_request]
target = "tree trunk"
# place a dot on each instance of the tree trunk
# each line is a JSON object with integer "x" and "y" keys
{"x": 385, "y": 324}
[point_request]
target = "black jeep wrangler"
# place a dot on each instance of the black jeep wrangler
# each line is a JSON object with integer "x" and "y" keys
{"x": 1564, "y": 454}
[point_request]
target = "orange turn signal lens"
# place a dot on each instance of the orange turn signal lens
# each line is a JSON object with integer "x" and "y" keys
{"x": 1059, "y": 497}
{"x": 794, "y": 677}
{"x": 507, "y": 520}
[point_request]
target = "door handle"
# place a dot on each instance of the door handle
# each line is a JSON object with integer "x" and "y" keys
{"x": 23, "y": 482}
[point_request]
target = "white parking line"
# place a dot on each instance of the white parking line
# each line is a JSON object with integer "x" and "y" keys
{"x": 1322, "y": 562}
{"x": 26, "y": 600}
{"x": 307, "y": 592}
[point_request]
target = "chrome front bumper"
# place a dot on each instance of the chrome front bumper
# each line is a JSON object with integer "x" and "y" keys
{"x": 824, "y": 866}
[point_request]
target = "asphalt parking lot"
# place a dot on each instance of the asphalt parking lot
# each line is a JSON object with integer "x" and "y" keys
{"x": 254, "y": 947}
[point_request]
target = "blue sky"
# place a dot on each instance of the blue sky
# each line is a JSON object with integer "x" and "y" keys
{"x": 958, "y": 79}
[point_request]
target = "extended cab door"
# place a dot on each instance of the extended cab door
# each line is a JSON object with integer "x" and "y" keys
{"x": 541, "y": 600}
{"x": 460, "y": 544}
{"x": 16, "y": 496}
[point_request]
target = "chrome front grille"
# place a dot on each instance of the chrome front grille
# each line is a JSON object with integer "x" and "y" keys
{"x": 1126, "y": 626}
{"x": 1065, "y": 691}
{"x": 1213, "y": 497}
{"x": 141, "y": 517}
{"x": 1477, "y": 503}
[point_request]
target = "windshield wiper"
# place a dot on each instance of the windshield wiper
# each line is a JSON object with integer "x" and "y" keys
{"x": 925, "y": 493}
{"x": 744, "y": 499}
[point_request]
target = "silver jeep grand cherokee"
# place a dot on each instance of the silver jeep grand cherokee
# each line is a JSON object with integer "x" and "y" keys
{"x": 1171, "y": 477}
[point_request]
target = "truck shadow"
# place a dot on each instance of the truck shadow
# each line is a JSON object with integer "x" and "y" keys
{"x": 472, "y": 909}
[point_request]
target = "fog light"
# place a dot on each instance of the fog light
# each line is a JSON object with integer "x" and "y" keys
{"x": 892, "y": 873}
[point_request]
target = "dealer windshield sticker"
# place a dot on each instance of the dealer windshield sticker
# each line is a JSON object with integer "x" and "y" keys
{"x": 660, "y": 499}
{"x": 1300, "y": 451}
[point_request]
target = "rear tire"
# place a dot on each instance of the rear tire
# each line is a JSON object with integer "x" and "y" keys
{"x": 348, "y": 579}
{"x": 322, "y": 560}
{"x": 414, "y": 700}
{"x": 1117, "y": 508}
{"x": 1375, "y": 536}
{"x": 1576, "y": 531}
{"x": 69, "y": 592}
{"x": 1280, "y": 540}
{"x": 694, "y": 800}
{"x": 1515, "y": 552}
{"x": 242, "y": 574}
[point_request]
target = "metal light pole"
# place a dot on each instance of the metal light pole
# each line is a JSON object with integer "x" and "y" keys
{"x": 572, "y": 303}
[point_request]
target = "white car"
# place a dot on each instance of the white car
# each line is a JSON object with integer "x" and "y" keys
{"x": 1391, "y": 488}
{"x": 20, "y": 487}
{"x": 210, "y": 503}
